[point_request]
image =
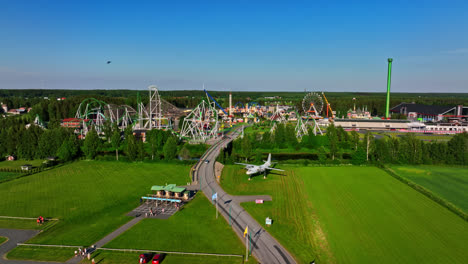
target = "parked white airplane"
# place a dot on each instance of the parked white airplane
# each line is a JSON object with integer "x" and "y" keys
{"x": 254, "y": 169}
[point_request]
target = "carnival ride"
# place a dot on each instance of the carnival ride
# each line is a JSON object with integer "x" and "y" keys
{"x": 330, "y": 114}
{"x": 202, "y": 122}
{"x": 157, "y": 114}
{"x": 312, "y": 105}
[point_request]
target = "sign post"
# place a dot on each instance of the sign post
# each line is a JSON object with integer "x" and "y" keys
{"x": 215, "y": 197}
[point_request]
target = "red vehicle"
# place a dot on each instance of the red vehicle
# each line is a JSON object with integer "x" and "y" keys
{"x": 157, "y": 259}
{"x": 145, "y": 258}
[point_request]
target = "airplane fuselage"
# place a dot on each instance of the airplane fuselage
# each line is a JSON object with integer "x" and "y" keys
{"x": 254, "y": 169}
{"x": 257, "y": 169}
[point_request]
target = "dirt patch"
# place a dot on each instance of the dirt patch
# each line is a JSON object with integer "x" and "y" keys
{"x": 218, "y": 170}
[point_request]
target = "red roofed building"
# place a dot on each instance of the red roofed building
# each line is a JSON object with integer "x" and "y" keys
{"x": 13, "y": 112}
{"x": 72, "y": 122}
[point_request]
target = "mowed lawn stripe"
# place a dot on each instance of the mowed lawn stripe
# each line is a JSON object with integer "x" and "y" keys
{"x": 371, "y": 217}
{"x": 449, "y": 183}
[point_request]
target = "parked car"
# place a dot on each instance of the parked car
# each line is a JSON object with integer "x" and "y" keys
{"x": 157, "y": 259}
{"x": 145, "y": 258}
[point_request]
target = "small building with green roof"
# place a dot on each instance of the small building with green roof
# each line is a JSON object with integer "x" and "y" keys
{"x": 168, "y": 190}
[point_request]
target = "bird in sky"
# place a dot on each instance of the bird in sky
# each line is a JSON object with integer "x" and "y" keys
{"x": 108, "y": 62}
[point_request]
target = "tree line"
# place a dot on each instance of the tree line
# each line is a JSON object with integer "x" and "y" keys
{"x": 341, "y": 102}
{"x": 33, "y": 142}
{"x": 340, "y": 146}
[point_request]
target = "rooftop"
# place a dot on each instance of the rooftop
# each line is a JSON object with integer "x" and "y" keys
{"x": 405, "y": 108}
{"x": 168, "y": 188}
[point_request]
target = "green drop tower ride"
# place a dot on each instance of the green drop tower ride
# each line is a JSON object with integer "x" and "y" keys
{"x": 389, "y": 82}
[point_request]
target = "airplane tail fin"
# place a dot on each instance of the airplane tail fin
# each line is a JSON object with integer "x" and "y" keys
{"x": 269, "y": 158}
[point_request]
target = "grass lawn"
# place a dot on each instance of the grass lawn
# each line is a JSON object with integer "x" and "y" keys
{"x": 90, "y": 198}
{"x": 353, "y": 215}
{"x": 193, "y": 229}
{"x": 288, "y": 211}
{"x": 16, "y": 164}
{"x": 3, "y": 240}
{"x": 450, "y": 183}
{"x": 119, "y": 257}
{"x": 24, "y": 224}
{"x": 422, "y": 136}
{"x": 41, "y": 253}
{"x": 6, "y": 176}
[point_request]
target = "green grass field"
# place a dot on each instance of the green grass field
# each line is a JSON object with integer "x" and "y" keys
{"x": 450, "y": 183}
{"x": 6, "y": 176}
{"x": 3, "y": 240}
{"x": 288, "y": 211}
{"x": 119, "y": 257}
{"x": 352, "y": 215}
{"x": 16, "y": 164}
{"x": 24, "y": 224}
{"x": 57, "y": 254}
{"x": 90, "y": 198}
{"x": 194, "y": 225}
{"x": 422, "y": 136}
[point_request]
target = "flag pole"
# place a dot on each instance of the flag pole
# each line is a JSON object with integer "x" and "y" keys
{"x": 246, "y": 235}
{"x": 246, "y": 248}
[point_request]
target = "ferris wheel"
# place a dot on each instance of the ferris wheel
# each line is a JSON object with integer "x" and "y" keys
{"x": 312, "y": 104}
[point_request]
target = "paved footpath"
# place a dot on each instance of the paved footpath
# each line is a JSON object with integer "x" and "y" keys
{"x": 109, "y": 237}
{"x": 264, "y": 246}
{"x": 250, "y": 198}
{"x": 17, "y": 236}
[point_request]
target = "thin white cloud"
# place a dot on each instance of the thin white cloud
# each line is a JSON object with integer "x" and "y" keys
{"x": 457, "y": 51}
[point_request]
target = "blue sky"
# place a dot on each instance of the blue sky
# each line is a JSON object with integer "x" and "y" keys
{"x": 235, "y": 45}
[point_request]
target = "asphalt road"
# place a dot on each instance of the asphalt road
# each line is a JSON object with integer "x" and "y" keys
{"x": 16, "y": 236}
{"x": 264, "y": 247}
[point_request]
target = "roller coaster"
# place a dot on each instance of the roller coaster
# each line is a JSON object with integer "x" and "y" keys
{"x": 157, "y": 114}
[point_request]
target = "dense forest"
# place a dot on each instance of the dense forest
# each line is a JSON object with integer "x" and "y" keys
{"x": 341, "y": 102}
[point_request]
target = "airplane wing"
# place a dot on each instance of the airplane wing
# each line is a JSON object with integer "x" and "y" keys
{"x": 245, "y": 164}
{"x": 274, "y": 169}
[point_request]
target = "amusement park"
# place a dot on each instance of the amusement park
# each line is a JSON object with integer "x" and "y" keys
{"x": 207, "y": 121}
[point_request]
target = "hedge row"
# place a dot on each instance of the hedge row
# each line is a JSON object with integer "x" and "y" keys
{"x": 427, "y": 193}
{"x": 34, "y": 170}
